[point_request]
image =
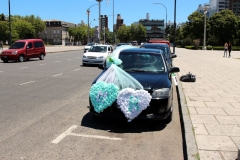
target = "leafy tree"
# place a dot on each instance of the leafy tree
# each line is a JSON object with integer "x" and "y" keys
{"x": 224, "y": 26}
{"x": 4, "y": 30}
{"x": 194, "y": 28}
{"x": 2, "y": 17}
{"x": 23, "y": 28}
{"x": 123, "y": 33}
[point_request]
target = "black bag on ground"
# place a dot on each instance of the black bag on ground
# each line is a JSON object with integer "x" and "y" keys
{"x": 188, "y": 78}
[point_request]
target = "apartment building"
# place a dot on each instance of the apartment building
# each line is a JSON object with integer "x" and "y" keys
{"x": 56, "y": 32}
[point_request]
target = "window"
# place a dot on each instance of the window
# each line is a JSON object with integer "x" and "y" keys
{"x": 38, "y": 44}
{"x": 57, "y": 31}
{"x": 30, "y": 45}
{"x": 54, "y": 31}
{"x": 45, "y": 31}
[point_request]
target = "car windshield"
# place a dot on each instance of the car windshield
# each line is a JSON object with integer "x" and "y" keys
{"x": 90, "y": 44}
{"x": 101, "y": 49}
{"x": 17, "y": 45}
{"x": 142, "y": 62}
{"x": 163, "y": 48}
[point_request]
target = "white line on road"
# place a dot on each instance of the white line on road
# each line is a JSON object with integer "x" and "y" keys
{"x": 69, "y": 132}
{"x": 26, "y": 83}
{"x": 57, "y": 74}
{"x": 175, "y": 80}
{"x": 42, "y": 64}
{"x": 23, "y": 67}
{"x": 77, "y": 69}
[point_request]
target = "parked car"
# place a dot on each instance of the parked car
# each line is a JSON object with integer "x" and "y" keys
{"x": 149, "y": 68}
{"x": 164, "y": 47}
{"x": 159, "y": 41}
{"x": 134, "y": 43}
{"x": 25, "y": 49}
{"x": 96, "y": 54}
{"x": 89, "y": 45}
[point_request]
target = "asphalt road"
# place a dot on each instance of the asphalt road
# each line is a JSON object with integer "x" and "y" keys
{"x": 44, "y": 115}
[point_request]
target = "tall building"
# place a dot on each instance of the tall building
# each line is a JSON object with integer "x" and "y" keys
{"x": 119, "y": 21}
{"x": 234, "y": 5}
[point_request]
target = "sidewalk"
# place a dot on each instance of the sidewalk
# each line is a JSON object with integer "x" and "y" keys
{"x": 211, "y": 105}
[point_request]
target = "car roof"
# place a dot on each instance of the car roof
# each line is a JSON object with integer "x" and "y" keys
{"x": 155, "y": 44}
{"x": 28, "y": 40}
{"x": 142, "y": 50}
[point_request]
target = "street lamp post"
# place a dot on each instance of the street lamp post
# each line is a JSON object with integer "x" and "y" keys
{"x": 204, "y": 38}
{"x": 174, "y": 42}
{"x": 99, "y": 30}
{"x": 166, "y": 11}
{"x": 113, "y": 24}
{"x": 88, "y": 13}
{"x": 10, "y": 26}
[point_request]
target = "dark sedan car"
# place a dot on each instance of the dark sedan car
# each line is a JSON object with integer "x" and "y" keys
{"x": 149, "y": 68}
{"x": 164, "y": 47}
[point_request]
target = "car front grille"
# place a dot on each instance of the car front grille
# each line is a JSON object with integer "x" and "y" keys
{"x": 91, "y": 57}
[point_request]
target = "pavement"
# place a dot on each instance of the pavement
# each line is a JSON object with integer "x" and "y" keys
{"x": 209, "y": 107}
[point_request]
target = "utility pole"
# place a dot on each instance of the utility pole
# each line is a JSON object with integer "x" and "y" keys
{"x": 204, "y": 38}
{"x": 10, "y": 25}
{"x": 99, "y": 26}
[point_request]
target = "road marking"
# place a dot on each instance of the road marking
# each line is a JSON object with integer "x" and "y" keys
{"x": 175, "y": 80}
{"x": 57, "y": 74}
{"x": 57, "y": 61}
{"x": 23, "y": 67}
{"x": 69, "y": 132}
{"x": 26, "y": 83}
{"x": 77, "y": 69}
{"x": 42, "y": 64}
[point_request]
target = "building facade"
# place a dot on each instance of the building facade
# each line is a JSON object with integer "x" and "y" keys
{"x": 56, "y": 32}
{"x": 155, "y": 28}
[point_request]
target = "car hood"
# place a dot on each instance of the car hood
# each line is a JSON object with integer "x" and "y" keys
{"x": 11, "y": 50}
{"x": 96, "y": 54}
{"x": 152, "y": 81}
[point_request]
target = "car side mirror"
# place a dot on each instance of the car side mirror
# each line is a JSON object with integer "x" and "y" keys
{"x": 100, "y": 66}
{"x": 173, "y": 55}
{"x": 174, "y": 69}
{"x": 27, "y": 47}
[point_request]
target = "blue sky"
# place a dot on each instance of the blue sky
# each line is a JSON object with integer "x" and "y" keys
{"x": 75, "y": 10}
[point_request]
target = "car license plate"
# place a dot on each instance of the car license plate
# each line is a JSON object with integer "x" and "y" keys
{"x": 91, "y": 60}
{"x": 4, "y": 56}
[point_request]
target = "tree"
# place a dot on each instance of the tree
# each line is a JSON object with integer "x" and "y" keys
{"x": 2, "y": 17}
{"x": 23, "y": 28}
{"x": 123, "y": 33}
{"x": 224, "y": 26}
{"x": 4, "y": 30}
{"x": 194, "y": 28}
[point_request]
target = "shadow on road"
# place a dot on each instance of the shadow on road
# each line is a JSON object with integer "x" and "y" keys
{"x": 121, "y": 126}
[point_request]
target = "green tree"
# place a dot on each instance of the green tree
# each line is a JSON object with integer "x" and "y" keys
{"x": 4, "y": 30}
{"x": 123, "y": 33}
{"x": 2, "y": 17}
{"x": 224, "y": 26}
{"x": 23, "y": 28}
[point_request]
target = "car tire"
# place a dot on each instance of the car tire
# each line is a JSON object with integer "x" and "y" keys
{"x": 41, "y": 57}
{"x": 84, "y": 64}
{"x": 168, "y": 119}
{"x": 21, "y": 58}
{"x": 5, "y": 60}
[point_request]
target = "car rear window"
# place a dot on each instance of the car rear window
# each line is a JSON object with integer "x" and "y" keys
{"x": 147, "y": 62}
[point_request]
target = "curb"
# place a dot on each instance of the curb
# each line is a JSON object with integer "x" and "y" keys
{"x": 189, "y": 142}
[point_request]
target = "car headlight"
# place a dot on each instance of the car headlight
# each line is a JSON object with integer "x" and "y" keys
{"x": 84, "y": 56}
{"x": 101, "y": 57}
{"x": 14, "y": 52}
{"x": 161, "y": 93}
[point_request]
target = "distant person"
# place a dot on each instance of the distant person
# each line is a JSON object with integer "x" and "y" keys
{"x": 1, "y": 45}
{"x": 225, "y": 49}
{"x": 229, "y": 49}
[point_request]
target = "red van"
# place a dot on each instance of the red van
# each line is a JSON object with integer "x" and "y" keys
{"x": 25, "y": 49}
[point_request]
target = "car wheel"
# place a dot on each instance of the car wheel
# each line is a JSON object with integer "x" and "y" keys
{"x": 21, "y": 58}
{"x": 84, "y": 64}
{"x": 168, "y": 119}
{"x": 5, "y": 60}
{"x": 41, "y": 56}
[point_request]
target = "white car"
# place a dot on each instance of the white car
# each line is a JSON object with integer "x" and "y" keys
{"x": 89, "y": 45}
{"x": 96, "y": 54}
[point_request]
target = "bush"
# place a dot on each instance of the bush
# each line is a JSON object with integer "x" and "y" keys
{"x": 187, "y": 42}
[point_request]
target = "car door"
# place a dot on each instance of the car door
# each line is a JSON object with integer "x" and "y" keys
{"x": 29, "y": 50}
